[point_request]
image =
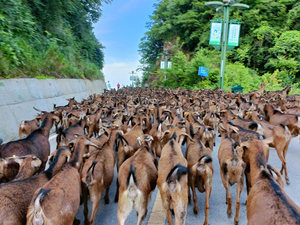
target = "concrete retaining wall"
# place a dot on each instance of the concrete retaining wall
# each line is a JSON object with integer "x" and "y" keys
{"x": 18, "y": 96}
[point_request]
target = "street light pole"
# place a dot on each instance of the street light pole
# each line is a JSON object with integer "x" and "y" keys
{"x": 224, "y": 7}
{"x": 166, "y": 61}
{"x": 224, "y": 45}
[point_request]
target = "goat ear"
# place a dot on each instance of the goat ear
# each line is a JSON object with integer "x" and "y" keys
{"x": 140, "y": 140}
{"x": 164, "y": 133}
{"x": 148, "y": 138}
{"x": 245, "y": 144}
{"x": 56, "y": 118}
{"x": 87, "y": 142}
{"x": 36, "y": 162}
{"x": 188, "y": 136}
{"x": 18, "y": 160}
{"x": 234, "y": 129}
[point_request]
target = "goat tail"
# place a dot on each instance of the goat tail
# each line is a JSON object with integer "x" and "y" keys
{"x": 36, "y": 212}
{"x": 131, "y": 183}
{"x": 89, "y": 176}
{"x": 202, "y": 162}
{"x": 175, "y": 175}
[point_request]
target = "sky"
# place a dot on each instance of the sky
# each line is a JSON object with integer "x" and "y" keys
{"x": 120, "y": 28}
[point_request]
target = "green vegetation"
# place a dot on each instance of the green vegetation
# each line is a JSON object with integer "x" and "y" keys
{"x": 46, "y": 39}
{"x": 269, "y": 48}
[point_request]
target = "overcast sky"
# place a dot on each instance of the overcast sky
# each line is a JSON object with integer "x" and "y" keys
{"x": 122, "y": 25}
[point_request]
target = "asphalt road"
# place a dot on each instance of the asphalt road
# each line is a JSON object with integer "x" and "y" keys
{"x": 107, "y": 214}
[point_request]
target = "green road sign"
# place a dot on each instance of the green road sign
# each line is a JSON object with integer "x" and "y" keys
{"x": 215, "y": 34}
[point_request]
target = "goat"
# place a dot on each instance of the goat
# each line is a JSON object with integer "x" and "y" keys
{"x": 98, "y": 172}
{"x": 210, "y": 119}
{"x": 36, "y": 143}
{"x": 18, "y": 168}
{"x": 199, "y": 164}
{"x": 232, "y": 169}
{"x": 62, "y": 191}
{"x": 8, "y": 169}
{"x": 281, "y": 139}
{"x": 267, "y": 202}
{"x": 137, "y": 178}
{"x": 65, "y": 136}
{"x": 17, "y": 195}
{"x": 276, "y": 117}
{"x": 172, "y": 179}
{"x": 264, "y": 146}
{"x": 128, "y": 145}
{"x": 29, "y": 165}
{"x": 246, "y": 124}
{"x": 156, "y": 132}
{"x": 27, "y": 126}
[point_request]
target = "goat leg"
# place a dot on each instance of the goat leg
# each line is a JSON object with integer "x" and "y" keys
{"x": 106, "y": 198}
{"x": 239, "y": 188}
{"x": 166, "y": 206}
{"x": 194, "y": 195}
{"x": 117, "y": 192}
{"x": 208, "y": 187}
{"x": 85, "y": 201}
{"x": 228, "y": 195}
{"x": 95, "y": 196}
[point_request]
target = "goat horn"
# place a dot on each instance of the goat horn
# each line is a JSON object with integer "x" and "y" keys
{"x": 39, "y": 110}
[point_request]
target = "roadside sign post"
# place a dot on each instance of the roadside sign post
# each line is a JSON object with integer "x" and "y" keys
{"x": 228, "y": 42}
{"x": 133, "y": 78}
{"x": 203, "y": 72}
{"x": 164, "y": 64}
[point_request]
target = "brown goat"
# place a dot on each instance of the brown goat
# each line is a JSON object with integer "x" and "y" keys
{"x": 65, "y": 136}
{"x": 36, "y": 143}
{"x": 57, "y": 202}
{"x": 277, "y": 117}
{"x": 267, "y": 202}
{"x": 137, "y": 178}
{"x": 281, "y": 139}
{"x": 27, "y": 126}
{"x": 17, "y": 195}
{"x": 200, "y": 166}
{"x": 232, "y": 169}
{"x": 128, "y": 145}
{"x": 264, "y": 146}
{"x": 98, "y": 172}
{"x": 172, "y": 178}
{"x": 29, "y": 165}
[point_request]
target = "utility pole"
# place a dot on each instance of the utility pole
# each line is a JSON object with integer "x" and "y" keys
{"x": 224, "y": 7}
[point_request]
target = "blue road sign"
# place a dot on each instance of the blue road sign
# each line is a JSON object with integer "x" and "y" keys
{"x": 203, "y": 71}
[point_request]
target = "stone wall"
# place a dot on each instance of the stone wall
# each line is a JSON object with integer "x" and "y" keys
{"x": 18, "y": 96}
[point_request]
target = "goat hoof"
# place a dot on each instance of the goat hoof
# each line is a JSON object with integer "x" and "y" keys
{"x": 229, "y": 214}
{"x": 116, "y": 199}
{"x": 287, "y": 181}
{"x": 76, "y": 222}
{"x": 236, "y": 222}
{"x": 189, "y": 199}
{"x": 195, "y": 210}
{"x": 106, "y": 201}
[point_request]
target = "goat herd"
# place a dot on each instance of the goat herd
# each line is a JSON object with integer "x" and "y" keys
{"x": 140, "y": 126}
